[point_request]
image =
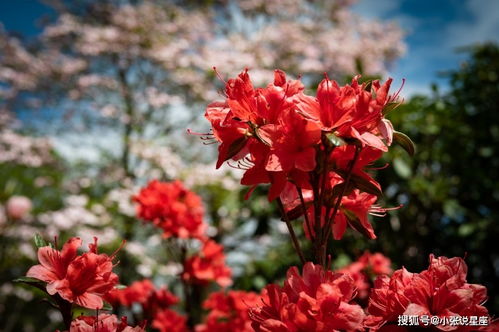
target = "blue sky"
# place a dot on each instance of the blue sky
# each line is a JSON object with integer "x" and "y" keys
{"x": 434, "y": 30}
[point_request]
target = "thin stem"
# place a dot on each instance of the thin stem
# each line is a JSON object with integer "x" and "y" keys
{"x": 291, "y": 231}
{"x": 186, "y": 288}
{"x": 65, "y": 308}
{"x": 321, "y": 194}
{"x": 330, "y": 220}
{"x": 316, "y": 224}
{"x": 307, "y": 220}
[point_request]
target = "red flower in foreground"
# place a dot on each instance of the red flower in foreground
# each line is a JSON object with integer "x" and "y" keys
{"x": 102, "y": 323}
{"x": 351, "y": 111}
{"x": 229, "y": 312}
{"x": 207, "y": 266}
{"x": 83, "y": 280}
{"x": 170, "y": 206}
{"x": 441, "y": 291}
{"x": 144, "y": 293}
{"x": 169, "y": 321}
{"x": 316, "y": 301}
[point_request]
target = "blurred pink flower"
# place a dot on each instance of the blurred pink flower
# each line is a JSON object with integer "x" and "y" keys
{"x": 18, "y": 207}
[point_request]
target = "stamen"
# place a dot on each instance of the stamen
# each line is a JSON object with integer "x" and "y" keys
{"x": 378, "y": 168}
{"x": 218, "y": 75}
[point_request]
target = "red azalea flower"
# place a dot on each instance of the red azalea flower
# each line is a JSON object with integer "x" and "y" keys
{"x": 170, "y": 206}
{"x": 377, "y": 263}
{"x": 137, "y": 292}
{"x": 354, "y": 212}
{"x": 316, "y": 301}
{"x": 292, "y": 143}
{"x": 351, "y": 111}
{"x": 235, "y": 120}
{"x": 342, "y": 156}
{"x": 207, "y": 266}
{"x": 264, "y": 105}
{"x": 440, "y": 291}
{"x": 102, "y": 323}
{"x": 83, "y": 280}
{"x": 232, "y": 134}
{"x": 361, "y": 270}
{"x": 169, "y": 321}
{"x": 229, "y": 311}
{"x": 144, "y": 293}
{"x": 54, "y": 263}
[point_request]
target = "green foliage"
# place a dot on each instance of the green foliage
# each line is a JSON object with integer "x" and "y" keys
{"x": 450, "y": 188}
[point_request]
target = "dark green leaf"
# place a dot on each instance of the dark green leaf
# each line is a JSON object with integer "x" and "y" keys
{"x": 335, "y": 140}
{"x": 107, "y": 306}
{"x": 405, "y": 142}
{"x": 27, "y": 280}
{"x": 361, "y": 183}
{"x": 390, "y": 107}
{"x": 355, "y": 223}
{"x": 236, "y": 146}
{"x": 332, "y": 195}
{"x": 39, "y": 241}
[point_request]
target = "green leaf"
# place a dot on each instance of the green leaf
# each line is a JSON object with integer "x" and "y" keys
{"x": 235, "y": 147}
{"x": 401, "y": 167}
{"x": 296, "y": 212}
{"x": 390, "y": 107}
{"x": 28, "y": 280}
{"x": 335, "y": 140}
{"x": 405, "y": 142}
{"x": 355, "y": 223}
{"x": 39, "y": 241}
{"x": 332, "y": 195}
{"x": 365, "y": 185}
{"x": 107, "y": 306}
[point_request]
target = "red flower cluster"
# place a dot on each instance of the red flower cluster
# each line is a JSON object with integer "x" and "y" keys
{"x": 83, "y": 279}
{"x": 144, "y": 293}
{"x": 316, "y": 301}
{"x": 229, "y": 312}
{"x": 102, "y": 323}
{"x": 367, "y": 266}
{"x": 207, "y": 266}
{"x": 169, "y": 321}
{"x": 441, "y": 291}
{"x": 170, "y": 206}
{"x": 314, "y": 147}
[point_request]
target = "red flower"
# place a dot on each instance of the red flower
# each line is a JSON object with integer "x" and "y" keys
{"x": 317, "y": 301}
{"x": 144, "y": 293}
{"x": 351, "y": 111}
{"x": 229, "y": 312}
{"x": 354, "y": 211}
{"x": 207, "y": 266}
{"x": 54, "y": 263}
{"x": 170, "y": 206}
{"x": 232, "y": 134}
{"x": 169, "y": 321}
{"x": 102, "y": 323}
{"x": 83, "y": 280}
{"x": 440, "y": 291}
{"x": 361, "y": 270}
{"x": 292, "y": 142}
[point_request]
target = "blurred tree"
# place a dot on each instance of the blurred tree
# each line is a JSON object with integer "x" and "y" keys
{"x": 450, "y": 190}
{"x": 140, "y": 63}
